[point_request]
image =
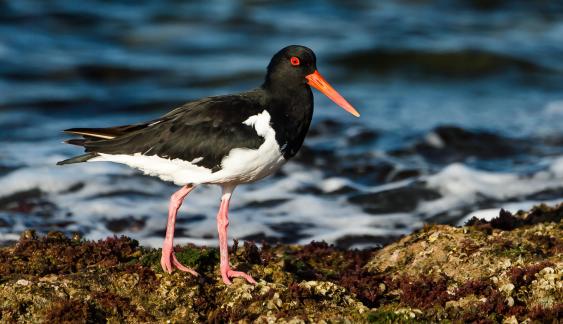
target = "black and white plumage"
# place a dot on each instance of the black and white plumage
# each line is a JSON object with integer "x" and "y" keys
{"x": 226, "y": 140}
{"x": 212, "y": 140}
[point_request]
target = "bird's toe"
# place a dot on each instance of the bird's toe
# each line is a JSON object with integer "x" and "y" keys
{"x": 240, "y": 274}
{"x": 182, "y": 267}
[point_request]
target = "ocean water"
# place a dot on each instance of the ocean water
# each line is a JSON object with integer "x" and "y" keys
{"x": 462, "y": 113}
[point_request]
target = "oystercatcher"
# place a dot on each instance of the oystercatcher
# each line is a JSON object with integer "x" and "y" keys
{"x": 225, "y": 140}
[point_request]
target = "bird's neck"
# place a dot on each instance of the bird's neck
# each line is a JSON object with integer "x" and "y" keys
{"x": 295, "y": 101}
{"x": 292, "y": 111}
{"x": 288, "y": 94}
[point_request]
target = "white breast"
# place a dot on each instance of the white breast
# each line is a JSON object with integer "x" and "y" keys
{"x": 247, "y": 165}
{"x": 241, "y": 165}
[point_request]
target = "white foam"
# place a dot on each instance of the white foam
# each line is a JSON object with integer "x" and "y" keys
{"x": 326, "y": 218}
{"x": 554, "y": 109}
{"x": 460, "y": 185}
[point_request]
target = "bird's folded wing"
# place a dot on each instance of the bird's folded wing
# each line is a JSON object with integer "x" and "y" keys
{"x": 203, "y": 131}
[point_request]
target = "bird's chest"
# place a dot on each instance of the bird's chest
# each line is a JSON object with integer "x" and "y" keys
{"x": 244, "y": 165}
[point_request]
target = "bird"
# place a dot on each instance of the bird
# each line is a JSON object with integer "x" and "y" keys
{"x": 225, "y": 140}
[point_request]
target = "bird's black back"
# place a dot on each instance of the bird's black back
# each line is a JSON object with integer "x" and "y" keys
{"x": 211, "y": 127}
{"x": 208, "y": 128}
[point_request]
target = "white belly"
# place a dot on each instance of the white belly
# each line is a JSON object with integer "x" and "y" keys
{"x": 241, "y": 165}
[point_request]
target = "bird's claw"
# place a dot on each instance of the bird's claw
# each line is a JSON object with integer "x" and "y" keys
{"x": 229, "y": 273}
{"x": 168, "y": 261}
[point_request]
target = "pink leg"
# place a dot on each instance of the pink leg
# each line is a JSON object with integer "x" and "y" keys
{"x": 222, "y": 224}
{"x": 168, "y": 260}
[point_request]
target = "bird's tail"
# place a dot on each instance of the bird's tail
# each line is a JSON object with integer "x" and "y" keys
{"x": 94, "y": 135}
{"x": 78, "y": 159}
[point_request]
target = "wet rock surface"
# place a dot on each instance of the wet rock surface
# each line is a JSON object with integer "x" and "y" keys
{"x": 506, "y": 269}
{"x": 398, "y": 200}
{"x": 447, "y": 144}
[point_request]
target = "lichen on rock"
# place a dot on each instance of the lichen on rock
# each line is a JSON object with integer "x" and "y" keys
{"x": 506, "y": 270}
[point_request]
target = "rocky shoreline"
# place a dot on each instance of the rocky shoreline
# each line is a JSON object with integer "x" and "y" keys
{"x": 508, "y": 269}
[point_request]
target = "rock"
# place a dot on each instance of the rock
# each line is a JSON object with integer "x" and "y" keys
{"x": 403, "y": 199}
{"x": 512, "y": 271}
{"x": 439, "y": 273}
{"x": 448, "y": 144}
{"x": 127, "y": 223}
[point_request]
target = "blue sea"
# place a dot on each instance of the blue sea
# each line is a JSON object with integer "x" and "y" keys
{"x": 461, "y": 103}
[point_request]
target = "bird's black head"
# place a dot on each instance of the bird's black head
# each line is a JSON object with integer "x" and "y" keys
{"x": 293, "y": 69}
{"x": 289, "y": 67}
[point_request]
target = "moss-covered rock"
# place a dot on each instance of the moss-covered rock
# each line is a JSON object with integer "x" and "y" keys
{"x": 481, "y": 271}
{"x": 509, "y": 269}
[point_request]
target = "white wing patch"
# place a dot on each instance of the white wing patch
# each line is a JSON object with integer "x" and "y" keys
{"x": 261, "y": 123}
{"x": 248, "y": 165}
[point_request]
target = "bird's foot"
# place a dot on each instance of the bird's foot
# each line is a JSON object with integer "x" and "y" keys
{"x": 227, "y": 273}
{"x": 168, "y": 261}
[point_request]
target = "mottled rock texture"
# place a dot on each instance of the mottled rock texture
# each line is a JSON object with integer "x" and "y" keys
{"x": 506, "y": 270}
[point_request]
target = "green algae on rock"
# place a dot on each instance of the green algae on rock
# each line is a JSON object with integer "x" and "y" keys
{"x": 509, "y": 269}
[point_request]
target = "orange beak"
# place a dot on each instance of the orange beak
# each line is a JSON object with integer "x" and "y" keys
{"x": 317, "y": 81}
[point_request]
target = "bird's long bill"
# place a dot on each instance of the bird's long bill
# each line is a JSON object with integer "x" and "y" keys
{"x": 317, "y": 81}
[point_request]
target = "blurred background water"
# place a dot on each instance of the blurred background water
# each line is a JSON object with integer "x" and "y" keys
{"x": 461, "y": 102}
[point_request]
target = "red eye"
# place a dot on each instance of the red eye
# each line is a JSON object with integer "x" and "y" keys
{"x": 294, "y": 61}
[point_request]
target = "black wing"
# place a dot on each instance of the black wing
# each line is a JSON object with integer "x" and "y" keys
{"x": 208, "y": 128}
